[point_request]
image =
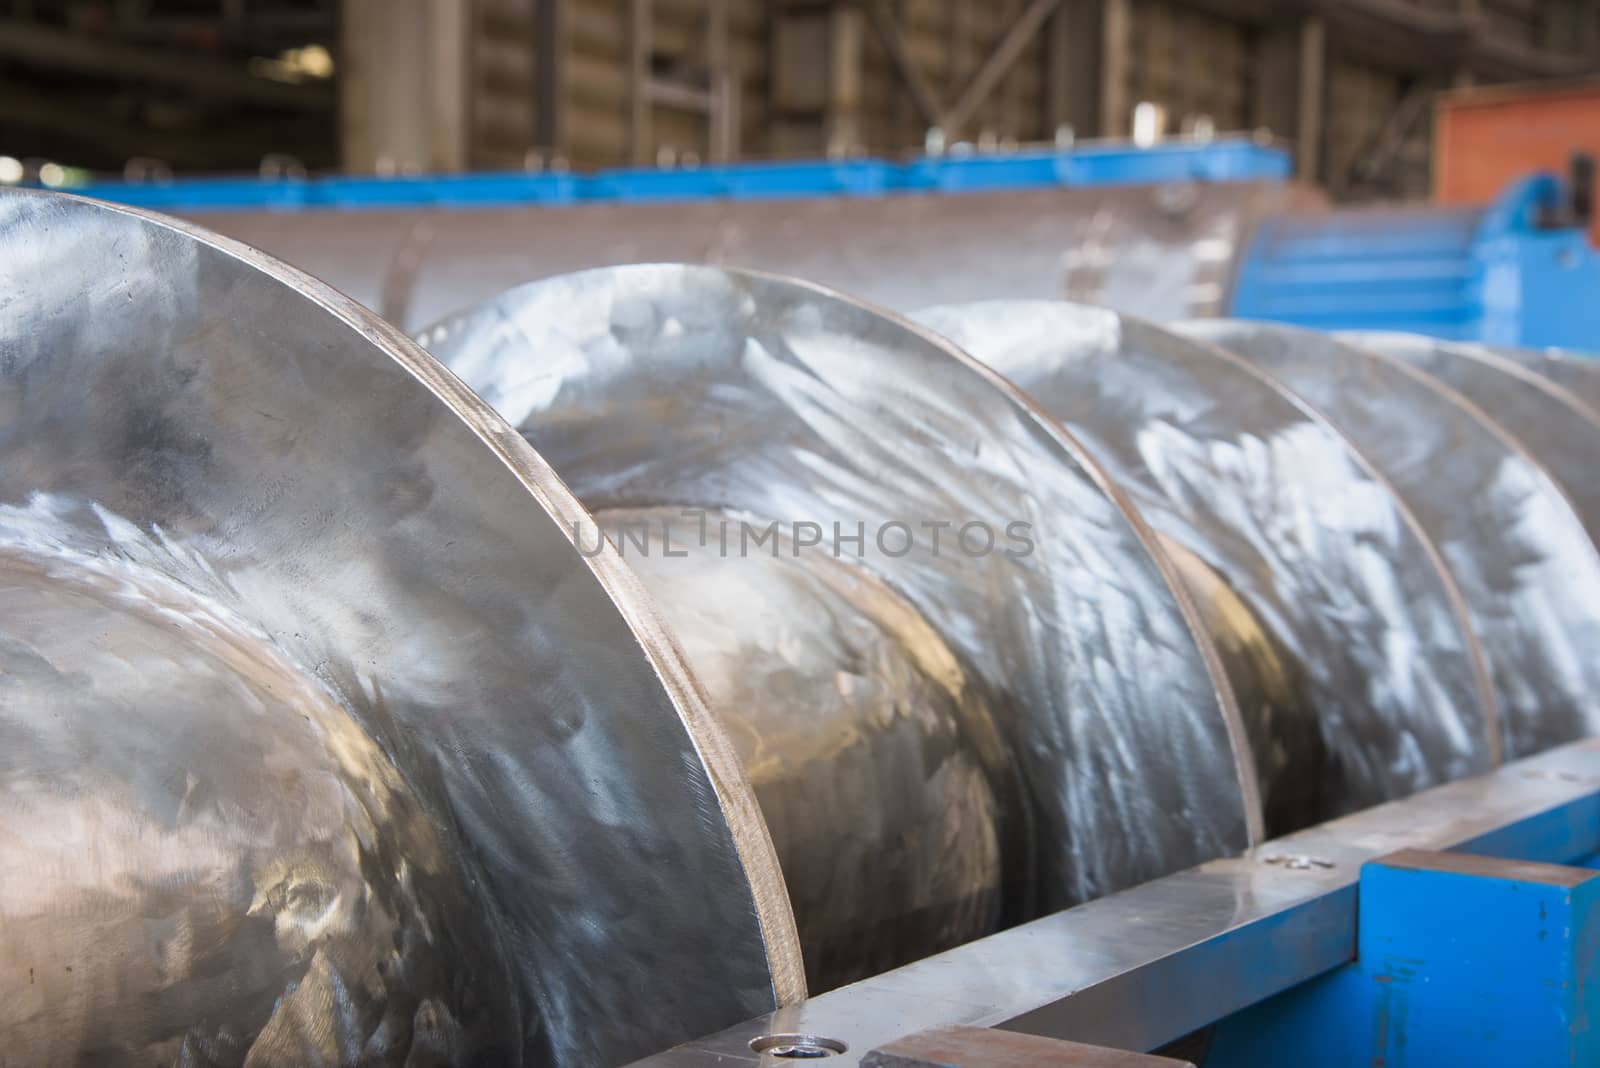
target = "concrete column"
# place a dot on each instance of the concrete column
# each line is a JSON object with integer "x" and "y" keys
{"x": 1290, "y": 96}
{"x": 846, "y": 40}
{"x": 1116, "y": 24}
{"x": 405, "y": 101}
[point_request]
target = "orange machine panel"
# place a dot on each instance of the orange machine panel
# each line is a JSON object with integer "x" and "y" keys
{"x": 1486, "y": 138}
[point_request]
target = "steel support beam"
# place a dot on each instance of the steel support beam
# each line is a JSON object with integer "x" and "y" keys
{"x": 724, "y": 116}
{"x": 1074, "y": 76}
{"x": 722, "y": 87}
{"x": 1017, "y": 37}
{"x": 952, "y": 118}
{"x": 922, "y": 93}
{"x": 1116, "y": 41}
{"x": 640, "y": 47}
{"x": 549, "y": 50}
{"x": 1368, "y": 168}
{"x": 449, "y": 80}
{"x": 715, "y": 95}
{"x": 1064, "y": 72}
{"x": 1311, "y": 97}
{"x": 846, "y": 43}
{"x": 1406, "y": 37}
{"x": 1143, "y": 967}
{"x": 799, "y": 89}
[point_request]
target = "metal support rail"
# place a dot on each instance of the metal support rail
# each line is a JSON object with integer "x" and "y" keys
{"x": 1146, "y": 966}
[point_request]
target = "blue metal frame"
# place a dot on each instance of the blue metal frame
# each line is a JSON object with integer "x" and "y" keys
{"x": 1224, "y": 160}
{"x": 1221, "y": 161}
{"x": 1460, "y": 960}
{"x": 1143, "y": 967}
{"x": 1490, "y": 274}
{"x": 1539, "y": 287}
{"x": 746, "y": 181}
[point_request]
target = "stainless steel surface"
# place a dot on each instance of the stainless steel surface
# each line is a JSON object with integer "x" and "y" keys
{"x": 1138, "y": 969}
{"x": 322, "y": 744}
{"x": 1165, "y": 251}
{"x": 1575, "y": 372}
{"x": 1509, "y": 534}
{"x": 1379, "y": 688}
{"x": 1073, "y": 675}
{"x": 1553, "y": 425}
{"x": 874, "y": 753}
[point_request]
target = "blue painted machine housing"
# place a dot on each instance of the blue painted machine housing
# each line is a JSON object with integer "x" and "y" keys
{"x": 1499, "y": 274}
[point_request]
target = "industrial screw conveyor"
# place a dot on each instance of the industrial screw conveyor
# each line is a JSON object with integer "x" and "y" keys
{"x": 696, "y": 664}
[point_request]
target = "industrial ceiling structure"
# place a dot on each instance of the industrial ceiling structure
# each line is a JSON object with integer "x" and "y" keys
{"x": 446, "y": 85}
{"x": 189, "y": 85}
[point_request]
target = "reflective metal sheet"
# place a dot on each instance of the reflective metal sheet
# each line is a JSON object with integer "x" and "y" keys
{"x": 1386, "y": 691}
{"x": 1165, "y": 251}
{"x": 1553, "y": 425}
{"x": 1113, "y": 757}
{"x": 321, "y": 743}
{"x": 1517, "y": 549}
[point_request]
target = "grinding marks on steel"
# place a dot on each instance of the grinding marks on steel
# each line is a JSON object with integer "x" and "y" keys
{"x": 677, "y": 387}
{"x": 353, "y": 752}
{"x": 1507, "y": 530}
{"x": 1348, "y": 631}
{"x": 1554, "y": 426}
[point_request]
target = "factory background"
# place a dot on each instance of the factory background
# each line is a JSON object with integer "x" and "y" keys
{"x": 152, "y": 87}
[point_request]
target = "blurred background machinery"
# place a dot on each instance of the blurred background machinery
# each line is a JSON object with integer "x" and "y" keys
{"x": 1091, "y": 137}
{"x": 1169, "y": 231}
{"x": 1088, "y": 138}
{"x": 448, "y": 85}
